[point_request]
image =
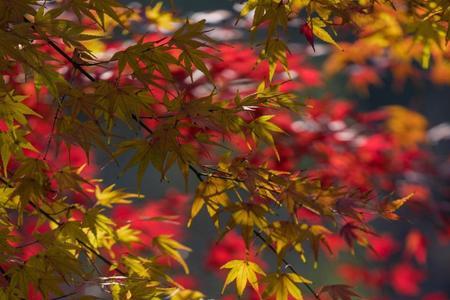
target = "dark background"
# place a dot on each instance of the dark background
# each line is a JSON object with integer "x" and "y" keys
{"x": 431, "y": 101}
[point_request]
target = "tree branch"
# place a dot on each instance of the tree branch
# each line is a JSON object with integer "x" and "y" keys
{"x": 197, "y": 173}
{"x": 285, "y": 262}
{"x": 261, "y": 237}
{"x": 59, "y": 224}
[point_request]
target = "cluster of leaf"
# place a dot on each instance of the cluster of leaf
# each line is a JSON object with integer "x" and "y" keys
{"x": 40, "y": 41}
{"x": 319, "y": 17}
{"x": 402, "y": 33}
{"x": 384, "y": 28}
{"x": 77, "y": 245}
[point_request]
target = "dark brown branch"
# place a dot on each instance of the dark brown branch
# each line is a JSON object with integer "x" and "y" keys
{"x": 60, "y": 224}
{"x": 55, "y": 119}
{"x": 285, "y": 262}
{"x": 80, "y": 68}
{"x": 86, "y": 246}
{"x": 200, "y": 176}
{"x": 73, "y": 62}
{"x": 7, "y": 278}
{"x": 65, "y": 296}
{"x": 197, "y": 173}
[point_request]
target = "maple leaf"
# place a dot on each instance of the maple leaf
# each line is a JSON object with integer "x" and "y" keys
{"x": 187, "y": 295}
{"x": 388, "y": 209}
{"x": 306, "y": 30}
{"x": 171, "y": 248}
{"x": 318, "y": 30}
{"x": 262, "y": 128}
{"x": 242, "y": 271}
{"x": 406, "y": 279}
{"x": 110, "y": 196}
{"x": 352, "y": 231}
{"x": 212, "y": 193}
{"x": 339, "y": 292}
{"x": 416, "y": 246}
{"x": 163, "y": 20}
{"x": 248, "y": 216}
{"x": 12, "y": 108}
{"x": 283, "y": 285}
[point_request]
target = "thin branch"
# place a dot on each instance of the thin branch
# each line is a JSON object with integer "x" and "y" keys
{"x": 80, "y": 68}
{"x": 197, "y": 173}
{"x": 7, "y": 278}
{"x": 4, "y": 274}
{"x": 50, "y": 138}
{"x": 261, "y": 237}
{"x": 285, "y": 262}
{"x": 27, "y": 244}
{"x": 86, "y": 246}
{"x": 6, "y": 182}
{"x": 65, "y": 296}
{"x": 73, "y": 62}
{"x": 55, "y": 119}
{"x": 60, "y": 224}
{"x": 142, "y": 124}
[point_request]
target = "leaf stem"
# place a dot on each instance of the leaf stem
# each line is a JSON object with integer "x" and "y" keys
{"x": 200, "y": 176}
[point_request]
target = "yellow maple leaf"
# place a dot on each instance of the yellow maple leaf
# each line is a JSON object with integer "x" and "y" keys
{"x": 408, "y": 127}
{"x": 388, "y": 209}
{"x": 242, "y": 271}
{"x": 110, "y": 196}
{"x": 172, "y": 248}
{"x": 187, "y": 295}
{"x": 163, "y": 20}
{"x": 283, "y": 285}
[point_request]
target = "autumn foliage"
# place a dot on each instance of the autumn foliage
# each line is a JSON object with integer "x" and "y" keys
{"x": 291, "y": 183}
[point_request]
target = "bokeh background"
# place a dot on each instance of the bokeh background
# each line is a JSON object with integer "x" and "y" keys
{"x": 423, "y": 96}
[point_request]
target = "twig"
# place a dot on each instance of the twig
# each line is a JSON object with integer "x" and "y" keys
{"x": 197, "y": 173}
{"x": 55, "y": 119}
{"x": 285, "y": 262}
{"x": 4, "y": 274}
{"x": 261, "y": 237}
{"x": 65, "y": 296}
{"x": 60, "y": 224}
{"x": 8, "y": 278}
{"x": 27, "y": 244}
{"x": 80, "y": 68}
{"x": 73, "y": 62}
{"x": 86, "y": 246}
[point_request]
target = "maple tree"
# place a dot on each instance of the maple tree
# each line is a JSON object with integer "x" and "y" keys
{"x": 229, "y": 117}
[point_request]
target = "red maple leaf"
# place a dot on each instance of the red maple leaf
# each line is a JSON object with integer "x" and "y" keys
{"x": 307, "y": 31}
